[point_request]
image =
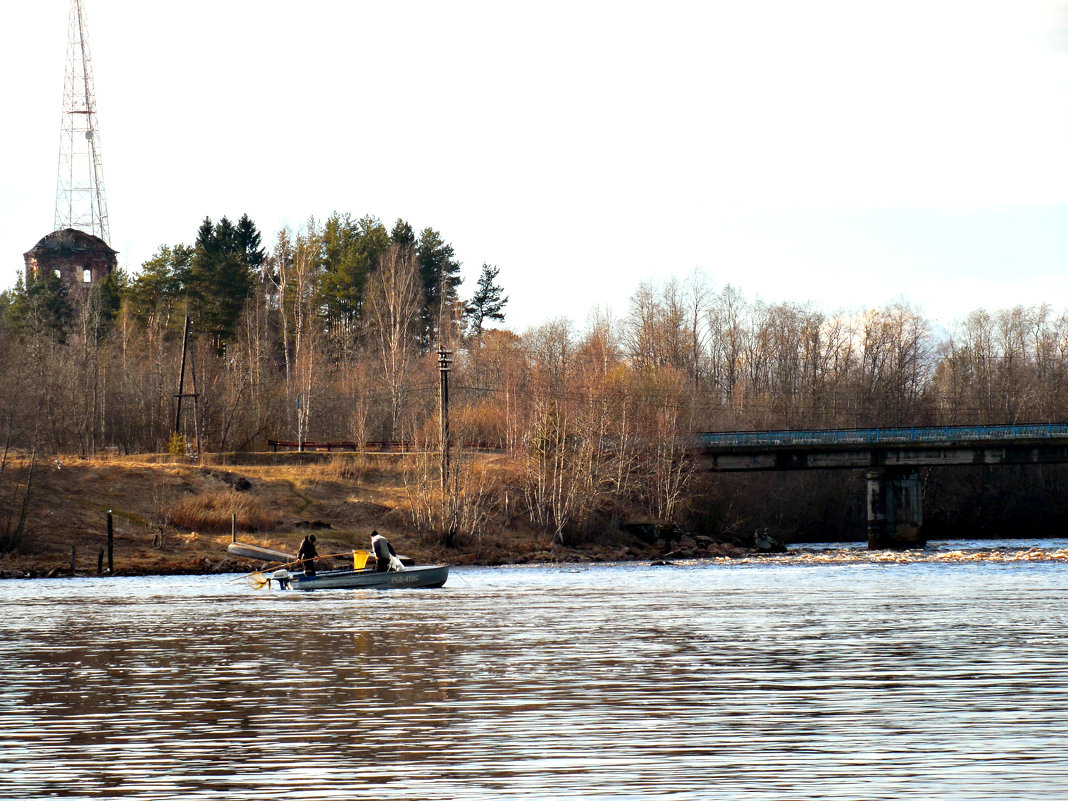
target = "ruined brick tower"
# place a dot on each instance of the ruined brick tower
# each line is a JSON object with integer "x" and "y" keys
{"x": 81, "y": 258}
{"x": 78, "y": 248}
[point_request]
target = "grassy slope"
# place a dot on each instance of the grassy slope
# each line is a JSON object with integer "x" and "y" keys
{"x": 352, "y": 495}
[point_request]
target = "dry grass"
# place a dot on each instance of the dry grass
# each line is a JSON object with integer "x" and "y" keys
{"x": 363, "y": 468}
{"x": 159, "y": 504}
{"x": 347, "y": 468}
{"x": 214, "y": 511}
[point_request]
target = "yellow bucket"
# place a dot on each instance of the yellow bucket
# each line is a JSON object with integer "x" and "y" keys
{"x": 359, "y": 559}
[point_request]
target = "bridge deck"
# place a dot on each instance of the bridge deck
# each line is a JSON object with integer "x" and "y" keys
{"x": 933, "y": 435}
{"x": 897, "y": 448}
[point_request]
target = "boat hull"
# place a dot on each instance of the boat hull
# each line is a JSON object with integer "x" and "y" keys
{"x": 247, "y": 551}
{"x": 413, "y": 577}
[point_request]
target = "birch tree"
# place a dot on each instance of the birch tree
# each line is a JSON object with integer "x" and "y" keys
{"x": 394, "y": 303}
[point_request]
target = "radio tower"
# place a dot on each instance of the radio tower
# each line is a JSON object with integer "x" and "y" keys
{"x": 80, "y": 188}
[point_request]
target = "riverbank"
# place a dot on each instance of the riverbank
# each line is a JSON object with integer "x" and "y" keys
{"x": 175, "y": 517}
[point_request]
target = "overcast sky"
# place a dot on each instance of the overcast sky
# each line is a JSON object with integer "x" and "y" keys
{"x": 844, "y": 153}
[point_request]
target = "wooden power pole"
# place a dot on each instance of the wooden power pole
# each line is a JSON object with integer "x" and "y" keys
{"x": 444, "y": 362}
{"x": 181, "y": 387}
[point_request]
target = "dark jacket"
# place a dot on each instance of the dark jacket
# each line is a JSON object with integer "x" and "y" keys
{"x": 383, "y": 550}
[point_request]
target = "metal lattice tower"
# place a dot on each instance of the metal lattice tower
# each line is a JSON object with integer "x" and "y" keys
{"x": 80, "y": 188}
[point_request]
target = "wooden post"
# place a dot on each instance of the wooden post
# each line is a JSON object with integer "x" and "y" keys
{"x": 72, "y": 560}
{"x": 111, "y": 541}
{"x": 100, "y": 562}
{"x": 233, "y": 527}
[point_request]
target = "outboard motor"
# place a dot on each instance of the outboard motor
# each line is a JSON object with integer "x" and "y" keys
{"x": 282, "y": 577}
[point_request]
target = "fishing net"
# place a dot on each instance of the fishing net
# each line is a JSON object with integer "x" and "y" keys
{"x": 257, "y": 580}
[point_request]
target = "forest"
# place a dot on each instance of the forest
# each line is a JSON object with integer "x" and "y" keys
{"x": 332, "y": 333}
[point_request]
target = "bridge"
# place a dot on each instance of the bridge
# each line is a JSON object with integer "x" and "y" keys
{"x": 891, "y": 459}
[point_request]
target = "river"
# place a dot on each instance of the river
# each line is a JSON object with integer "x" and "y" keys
{"x": 792, "y": 677}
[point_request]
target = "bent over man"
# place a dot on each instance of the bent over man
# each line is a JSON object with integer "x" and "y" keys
{"x": 385, "y": 556}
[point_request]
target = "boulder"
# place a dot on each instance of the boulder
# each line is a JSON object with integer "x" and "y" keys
{"x": 766, "y": 542}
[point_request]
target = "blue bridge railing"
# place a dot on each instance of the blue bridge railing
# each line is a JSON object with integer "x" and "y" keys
{"x": 872, "y": 436}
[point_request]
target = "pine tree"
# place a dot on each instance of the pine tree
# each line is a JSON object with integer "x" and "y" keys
{"x": 220, "y": 276}
{"x": 249, "y": 242}
{"x": 487, "y": 303}
{"x": 402, "y": 234}
{"x": 160, "y": 284}
{"x": 440, "y": 273}
{"x": 350, "y": 250}
{"x": 41, "y": 305}
{"x": 112, "y": 291}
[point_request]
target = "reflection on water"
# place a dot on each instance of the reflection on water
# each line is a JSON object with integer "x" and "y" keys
{"x": 760, "y": 680}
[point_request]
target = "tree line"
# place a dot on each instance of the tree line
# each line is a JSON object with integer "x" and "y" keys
{"x": 331, "y": 333}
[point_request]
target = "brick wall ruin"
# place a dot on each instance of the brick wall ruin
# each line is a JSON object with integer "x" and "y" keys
{"x": 81, "y": 258}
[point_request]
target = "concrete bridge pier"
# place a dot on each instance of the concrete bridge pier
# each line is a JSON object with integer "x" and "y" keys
{"x": 895, "y": 508}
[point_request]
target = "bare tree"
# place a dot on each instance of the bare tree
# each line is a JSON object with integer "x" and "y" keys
{"x": 393, "y": 307}
{"x": 551, "y": 350}
{"x": 698, "y": 295}
{"x": 278, "y": 269}
{"x": 726, "y": 320}
{"x": 560, "y": 480}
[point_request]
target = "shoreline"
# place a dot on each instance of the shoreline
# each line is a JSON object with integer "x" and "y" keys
{"x": 177, "y": 519}
{"x": 798, "y": 556}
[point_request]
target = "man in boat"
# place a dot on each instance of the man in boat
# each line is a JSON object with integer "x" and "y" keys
{"x": 385, "y": 556}
{"x": 307, "y": 555}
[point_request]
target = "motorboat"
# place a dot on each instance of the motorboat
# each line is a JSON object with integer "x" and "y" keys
{"x": 421, "y": 576}
{"x": 358, "y": 577}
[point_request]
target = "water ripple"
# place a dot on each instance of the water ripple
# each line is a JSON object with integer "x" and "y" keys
{"x": 767, "y": 680}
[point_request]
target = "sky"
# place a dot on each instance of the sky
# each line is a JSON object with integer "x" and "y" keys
{"x": 844, "y": 154}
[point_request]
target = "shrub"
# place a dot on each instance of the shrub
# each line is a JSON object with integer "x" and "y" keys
{"x": 177, "y": 445}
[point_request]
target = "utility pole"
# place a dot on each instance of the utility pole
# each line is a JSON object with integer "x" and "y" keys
{"x": 181, "y": 387}
{"x": 444, "y": 363}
